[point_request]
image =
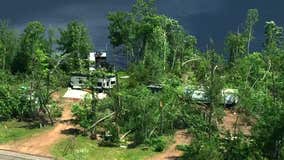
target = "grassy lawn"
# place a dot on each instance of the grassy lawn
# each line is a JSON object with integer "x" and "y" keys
{"x": 13, "y": 130}
{"x": 84, "y": 148}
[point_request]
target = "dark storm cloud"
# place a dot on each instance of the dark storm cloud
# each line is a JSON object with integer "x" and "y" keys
{"x": 92, "y": 12}
{"x": 215, "y": 18}
{"x": 202, "y": 18}
{"x": 58, "y": 13}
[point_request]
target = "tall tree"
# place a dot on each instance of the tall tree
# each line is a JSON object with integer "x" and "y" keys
{"x": 143, "y": 8}
{"x": 32, "y": 41}
{"x": 143, "y": 33}
{"x": 8, "y": 45}
{"x": 75, "y": 40}
{"x": 128, "y": 30}
{"x": 269, "y": 130}
{"x": 213, "y": 87}
{"x": 273, "y": 36}
{"x": 252, "y": 19}
{"x": 235, "y": 46}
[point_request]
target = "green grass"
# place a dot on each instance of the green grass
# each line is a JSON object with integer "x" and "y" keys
{"x": 62, "y": 91}
{"x": 13, "y": 131}
{"x": 84, "y": 148}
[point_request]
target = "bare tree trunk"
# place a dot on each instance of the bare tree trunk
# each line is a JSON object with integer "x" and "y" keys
{"x": 236, "y": 124}
{"x": 173, "y": 62}
{"x": 3, "y": 67}
{"x": 249, "y": 39}
{"x": 4, "y": 58}
{"x": 49, "y": 114}
{"x": 164, "y": 48}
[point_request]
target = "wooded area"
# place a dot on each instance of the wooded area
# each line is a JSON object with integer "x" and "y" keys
{"x": 164, "y": 62}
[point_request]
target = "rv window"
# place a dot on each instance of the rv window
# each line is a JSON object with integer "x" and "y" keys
{"x": 99, "y": 84}
{"x": 112, "y": 82}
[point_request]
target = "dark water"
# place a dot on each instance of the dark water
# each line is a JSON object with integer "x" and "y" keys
{"x": 203, "y": 18}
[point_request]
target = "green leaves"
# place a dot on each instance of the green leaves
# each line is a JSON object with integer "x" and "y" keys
{"x": 273, "y": 34}
{"x": 84, "y": 115}
{"x": 8, "y": 45}
{"x": 236, "y": 47}
{"x": 149, "y": 37}
{"x": 75, "y": 40}
{"x": 32, "y": 41}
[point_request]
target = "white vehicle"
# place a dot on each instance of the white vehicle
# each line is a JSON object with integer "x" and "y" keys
{"x": 78, "y": 81}
{"x": 106, "y": 83}
{"x": 200, "y": 96}
{"x": 229, "y": 96}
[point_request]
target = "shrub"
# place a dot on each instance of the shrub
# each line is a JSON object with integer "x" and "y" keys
{"x": 84, "y": 115}
{"x": 158, "y": 144}
{"x": 55, "y": 110}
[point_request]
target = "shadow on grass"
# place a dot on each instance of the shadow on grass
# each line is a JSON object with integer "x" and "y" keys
{"x": 173, "y": 158}
{"x": 32, "y": 125}
{"x": 72, "y": 131}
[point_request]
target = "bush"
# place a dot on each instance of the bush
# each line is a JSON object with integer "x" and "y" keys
{"x": 15, "y": 104}
{"x": 158, "y": 144}
{"x": 205, "y": 148}
{"x": 84, "y": 115}
{"x": 55, "y": 110}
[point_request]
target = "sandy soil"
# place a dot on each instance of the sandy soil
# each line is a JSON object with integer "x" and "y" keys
{"x": 229, "y": 123}
{"x": 41, "y": 144}
{"x": 181, "y": 137}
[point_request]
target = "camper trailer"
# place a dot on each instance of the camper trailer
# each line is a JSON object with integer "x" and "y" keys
{"x": 106, "y": 83}
{"x": 97, "y": 61}
{"x": 78, "y": 81}
{"x": 229, "y": 96}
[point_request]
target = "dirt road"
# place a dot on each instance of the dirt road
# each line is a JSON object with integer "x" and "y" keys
{"x": 40, "y": 144}
{"x": 8, "y": 155}
{"x": 181, "y": 137}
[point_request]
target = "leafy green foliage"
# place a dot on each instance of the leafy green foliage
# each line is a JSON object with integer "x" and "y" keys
{"x": 252, "y": 19}
{"x": 85, "y": 117}
{"x": 32, "y": 46}
{"x": 8, "y": 45}
{"x": 158, "y": 144}
{"x": 203, "y": 148}
{"x": 154, "y": 39}
{"x": 16, "y": 104}
{"x": 236, "y": 47}
{"x": 152, "y": 102}
{"x": 75, "y": 42}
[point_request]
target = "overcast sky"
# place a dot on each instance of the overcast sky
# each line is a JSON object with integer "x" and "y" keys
{"x": 202, "y": 18}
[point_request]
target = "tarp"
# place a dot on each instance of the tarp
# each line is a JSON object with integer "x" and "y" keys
{"x": 75, "y": 94}
{"x": 80, "y": 94}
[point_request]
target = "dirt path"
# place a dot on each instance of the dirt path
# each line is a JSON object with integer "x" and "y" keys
{"x": 181, "y": 137}
{"x": 40, "y": 144}
{"x": 229, "y": 121}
